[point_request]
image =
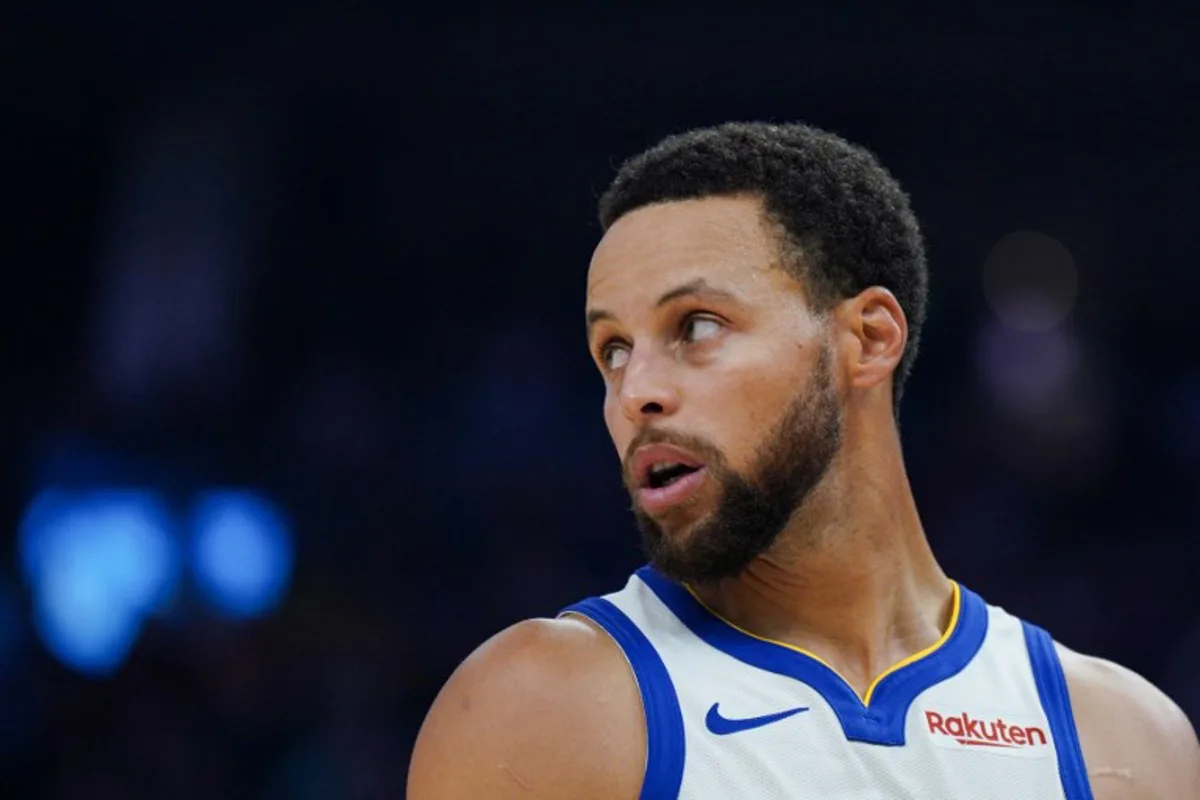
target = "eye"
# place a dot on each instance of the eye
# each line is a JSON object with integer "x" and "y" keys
{"x": 614, "y": 355}
{"x": 697, "y": 328}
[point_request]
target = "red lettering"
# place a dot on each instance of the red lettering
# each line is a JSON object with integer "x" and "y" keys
{"x": 968, "y": 730}
{"x": 972, "y": 726}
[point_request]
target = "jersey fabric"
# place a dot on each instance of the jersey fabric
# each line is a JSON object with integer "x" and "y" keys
{"x": 981, "y": 715}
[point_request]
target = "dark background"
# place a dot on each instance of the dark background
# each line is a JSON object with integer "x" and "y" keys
{"x": 338, "y": 254}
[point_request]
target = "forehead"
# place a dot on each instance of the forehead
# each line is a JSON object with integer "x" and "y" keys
{"x": 722, "y": 240}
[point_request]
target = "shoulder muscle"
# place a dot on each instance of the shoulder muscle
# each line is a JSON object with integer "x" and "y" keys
{"x": 1137, "y": 743}
{"x": 545, "y": 709}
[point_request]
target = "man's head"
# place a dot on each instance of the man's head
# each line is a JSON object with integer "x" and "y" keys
{"x": 753, "y": 283}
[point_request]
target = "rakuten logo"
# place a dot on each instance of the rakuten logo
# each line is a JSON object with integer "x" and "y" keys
{"x": 965, "y": 731}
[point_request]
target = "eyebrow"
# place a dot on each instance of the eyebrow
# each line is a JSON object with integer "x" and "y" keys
{"x": 696, "y": 288}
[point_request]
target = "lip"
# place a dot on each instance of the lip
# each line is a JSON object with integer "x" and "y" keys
{"x": 656, "y": 501}
{"x": 646, "y": 457}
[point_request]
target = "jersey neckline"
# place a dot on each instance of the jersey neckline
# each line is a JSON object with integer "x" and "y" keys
{"x": 878, "y": 720}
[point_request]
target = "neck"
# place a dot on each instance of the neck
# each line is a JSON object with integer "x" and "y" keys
{"x": 852, "y": 580}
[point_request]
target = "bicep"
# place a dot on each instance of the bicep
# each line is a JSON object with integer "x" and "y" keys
{"x": 532, "y": 714}
{"x": 1137, "y": 743}
{"x": 455, "y": 758}
{"x": 1166, "y": 757}
{"x": 1179, "y": 735}
{"x": 1145, "y": 762}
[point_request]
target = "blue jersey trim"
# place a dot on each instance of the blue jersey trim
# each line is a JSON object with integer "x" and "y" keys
{"x": 882, "y": 721}
{"x": 1056, "y": 702}
{"x": 665, "y": 743}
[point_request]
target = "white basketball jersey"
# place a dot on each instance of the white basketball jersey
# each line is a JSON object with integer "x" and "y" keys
{"x": 982, "y": 715}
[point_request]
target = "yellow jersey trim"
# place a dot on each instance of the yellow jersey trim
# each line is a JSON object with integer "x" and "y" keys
{"x": 955, "y": 610}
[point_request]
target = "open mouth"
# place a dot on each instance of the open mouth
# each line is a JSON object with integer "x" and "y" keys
{"x": 665, "y": 474}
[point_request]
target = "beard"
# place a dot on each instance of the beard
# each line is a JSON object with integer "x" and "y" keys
{"x": 752, "y": 509}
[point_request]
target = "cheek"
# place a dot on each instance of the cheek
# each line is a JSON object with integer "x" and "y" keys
{"x": 616, "y": 423}
{"x": 746, "y": 410}
{"x": 738, "y": 437}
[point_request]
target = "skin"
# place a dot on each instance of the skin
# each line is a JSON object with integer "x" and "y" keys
{"x": 549, "y": 709}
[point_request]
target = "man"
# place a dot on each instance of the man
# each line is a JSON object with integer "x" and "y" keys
{"x": 754, "y": 307}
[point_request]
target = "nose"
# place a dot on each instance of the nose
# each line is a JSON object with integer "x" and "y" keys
{"x": 647, "y": 390}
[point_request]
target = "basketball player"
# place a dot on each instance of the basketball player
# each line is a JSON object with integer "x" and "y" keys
{"x": 754, "y": 307}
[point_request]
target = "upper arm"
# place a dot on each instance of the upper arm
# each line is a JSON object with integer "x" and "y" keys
{"x": 546, "y": 709}
{"x": 1137, "y": 743}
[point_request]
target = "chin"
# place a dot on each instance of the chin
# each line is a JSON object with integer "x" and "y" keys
{"x": 679, "y": 556}
{"x": 690, "y": 568}
{"x": 674, "y": 529}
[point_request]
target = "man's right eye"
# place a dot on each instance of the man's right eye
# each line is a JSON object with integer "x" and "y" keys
{"x": 614, "y": 355}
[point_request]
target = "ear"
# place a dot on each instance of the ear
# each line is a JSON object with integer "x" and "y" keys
{"x": 875, "y": 329}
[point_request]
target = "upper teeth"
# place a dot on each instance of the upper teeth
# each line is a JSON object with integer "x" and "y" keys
{"x": 664, "y": 466}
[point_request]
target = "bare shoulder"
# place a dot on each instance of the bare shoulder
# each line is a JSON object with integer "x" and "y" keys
{"x": 1137, "y": 743}
{"x": 544, "y": 709}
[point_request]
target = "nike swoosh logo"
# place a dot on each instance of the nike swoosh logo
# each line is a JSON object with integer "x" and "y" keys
{"x": 723, "y": 726}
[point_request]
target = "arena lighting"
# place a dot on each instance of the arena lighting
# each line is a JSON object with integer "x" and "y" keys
{"x": 97, "y": 562}
{"x": 241, "y": 552}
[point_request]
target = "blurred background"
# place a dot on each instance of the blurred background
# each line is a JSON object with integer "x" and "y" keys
{"x": 296, "y": 404}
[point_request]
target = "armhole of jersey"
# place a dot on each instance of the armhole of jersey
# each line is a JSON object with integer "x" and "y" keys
{"x": 665, "y": 744}
{"x": 1056, "y": 702}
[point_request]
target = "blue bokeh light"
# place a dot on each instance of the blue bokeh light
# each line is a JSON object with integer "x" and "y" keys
{"x": 97, "y": 562}
{"x": 241, "y": 552}
{"x": 82, "y": 621}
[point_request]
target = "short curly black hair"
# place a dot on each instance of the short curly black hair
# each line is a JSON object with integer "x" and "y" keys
{"x": 845, "y": 222}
